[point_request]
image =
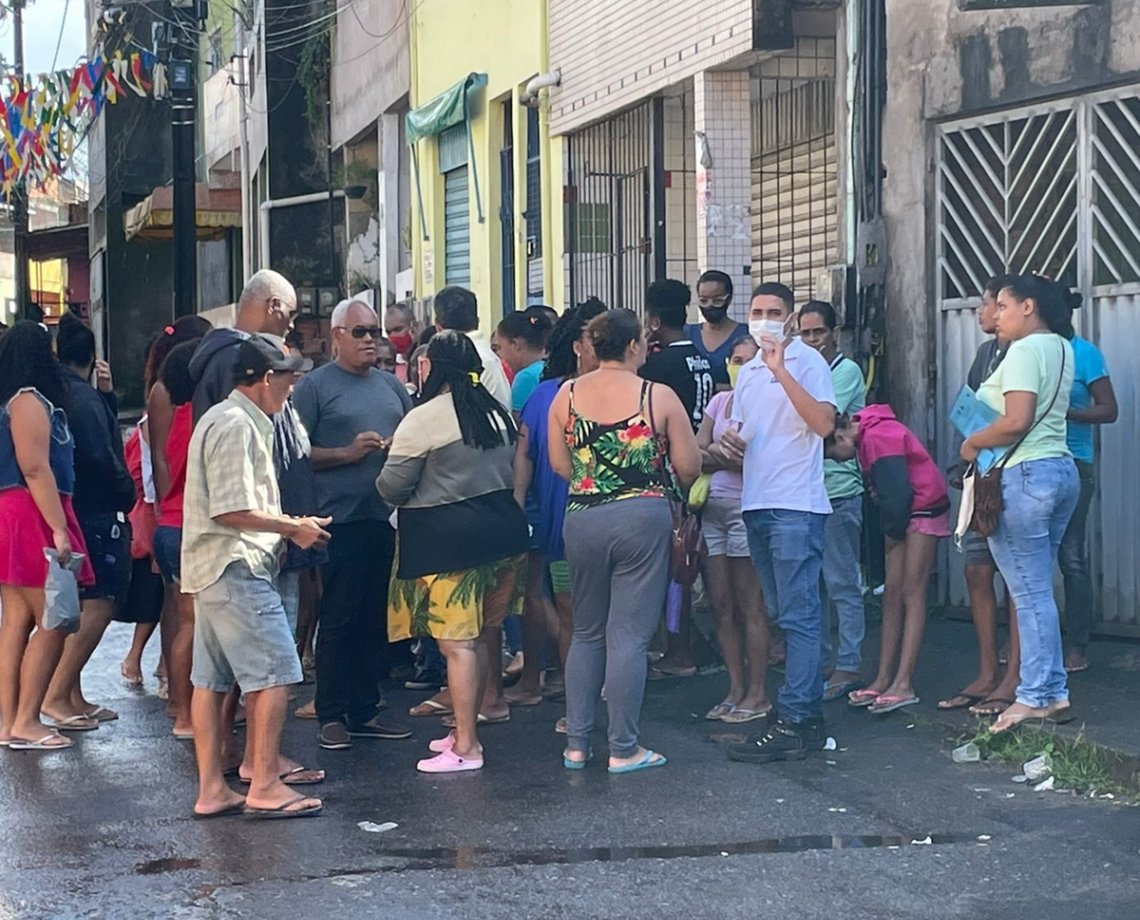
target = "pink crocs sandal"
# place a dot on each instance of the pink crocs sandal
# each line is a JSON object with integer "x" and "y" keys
{"x": 449, "y": 762}
{"x": 439, "y": 745}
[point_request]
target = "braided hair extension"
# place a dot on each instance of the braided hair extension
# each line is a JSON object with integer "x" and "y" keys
{"x": 455, "y": 363}
{"x": 561, "y": 362}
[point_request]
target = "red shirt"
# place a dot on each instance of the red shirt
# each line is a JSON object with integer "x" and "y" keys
{"x": 177, "y": 450}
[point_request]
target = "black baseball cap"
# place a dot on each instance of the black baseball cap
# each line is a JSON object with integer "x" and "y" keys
{"x": 257, "y": 356}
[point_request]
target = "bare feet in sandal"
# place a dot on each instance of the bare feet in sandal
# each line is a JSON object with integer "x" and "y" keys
{"x": 1019, "y": 712}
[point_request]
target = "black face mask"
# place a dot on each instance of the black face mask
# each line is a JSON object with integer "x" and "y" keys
{"x": 714, "y": 315}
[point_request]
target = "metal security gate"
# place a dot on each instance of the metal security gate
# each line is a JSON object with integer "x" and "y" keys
{"x": 795, "y": 229}
{"x": 1053, "y": 189}
{"x": 609, "y": 229}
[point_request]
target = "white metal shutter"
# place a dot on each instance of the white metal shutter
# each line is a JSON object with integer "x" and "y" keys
{"x": 456, "y": 227}
{"x": 795, "y": 217}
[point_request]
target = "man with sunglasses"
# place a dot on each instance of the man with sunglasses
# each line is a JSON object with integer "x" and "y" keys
{"x": 350, "y": 410}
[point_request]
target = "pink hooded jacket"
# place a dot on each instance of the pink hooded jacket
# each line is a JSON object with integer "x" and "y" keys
{"x": 904, "y": 480}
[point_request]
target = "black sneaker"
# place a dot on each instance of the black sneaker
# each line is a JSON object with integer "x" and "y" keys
{"x": 782, "y": 741}
{"x": 377, "y": 728}
{"x": 333, "y": 736}
{"x": 424, "y": 681}
{"x": 402, "y": 672}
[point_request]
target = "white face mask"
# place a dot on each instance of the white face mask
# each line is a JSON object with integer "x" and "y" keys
{"x": 767, "y": 328}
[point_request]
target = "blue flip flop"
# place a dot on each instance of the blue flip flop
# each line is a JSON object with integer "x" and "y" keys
{"x": 577, "y": 764}
{"x": 644, "y": 764}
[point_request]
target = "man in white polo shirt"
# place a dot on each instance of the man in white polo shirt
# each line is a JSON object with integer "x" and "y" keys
{"x": 785, "y": 405}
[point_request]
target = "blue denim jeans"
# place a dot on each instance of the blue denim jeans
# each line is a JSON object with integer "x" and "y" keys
{"x": 787, "y": 550}
{"x": 1038, "y": 499}
{"x": 842, "y": 541}
{"x": 1073, "y": 558}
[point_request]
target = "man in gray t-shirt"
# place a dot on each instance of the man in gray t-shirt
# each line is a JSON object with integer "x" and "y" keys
{"x": 350, "y": 411}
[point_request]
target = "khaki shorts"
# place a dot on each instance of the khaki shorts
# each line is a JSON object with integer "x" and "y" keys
{"x": 723, "y": 528}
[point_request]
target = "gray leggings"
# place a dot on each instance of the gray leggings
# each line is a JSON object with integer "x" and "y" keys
{"x": 619, "y": 571}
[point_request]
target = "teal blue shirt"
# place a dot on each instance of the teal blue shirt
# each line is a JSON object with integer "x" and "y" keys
{"x": 843, "y": 480}
{"x": 526, "y": 382}
{"x": 1089, "y": 367}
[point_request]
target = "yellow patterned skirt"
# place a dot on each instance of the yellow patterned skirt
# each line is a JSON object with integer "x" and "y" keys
{"x": 456, "y": 605}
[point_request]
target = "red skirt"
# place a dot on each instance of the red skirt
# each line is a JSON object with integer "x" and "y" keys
{"x": 24, "y": 535}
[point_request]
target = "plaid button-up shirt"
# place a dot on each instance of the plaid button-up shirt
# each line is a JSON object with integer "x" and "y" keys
{"x": 229, "y": 468}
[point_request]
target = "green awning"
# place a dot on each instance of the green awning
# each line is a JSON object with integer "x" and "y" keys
{"x": 446, "y": 110}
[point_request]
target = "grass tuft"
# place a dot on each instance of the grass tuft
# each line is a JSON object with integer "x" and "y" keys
{"x": 1078, "y": 764}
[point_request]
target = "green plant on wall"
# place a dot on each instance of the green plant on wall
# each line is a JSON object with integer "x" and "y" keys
{"x": 313, "y": 76}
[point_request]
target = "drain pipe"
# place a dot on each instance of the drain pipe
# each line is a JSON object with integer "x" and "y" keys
{"x": 267, "y": 206}
{"x": 543, "y": 81}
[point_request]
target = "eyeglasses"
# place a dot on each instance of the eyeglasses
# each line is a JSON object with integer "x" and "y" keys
{"x": 817, "y": 333}
{"x": 359, "y": 332}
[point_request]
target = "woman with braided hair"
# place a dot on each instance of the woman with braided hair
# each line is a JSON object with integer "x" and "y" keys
{"x": 449, "y": 472}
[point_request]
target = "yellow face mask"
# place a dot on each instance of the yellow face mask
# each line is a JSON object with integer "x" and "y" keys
{"x": 733, "y": 372}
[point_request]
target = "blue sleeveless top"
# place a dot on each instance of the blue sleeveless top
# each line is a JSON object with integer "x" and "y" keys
{"x": 61, "y": 453}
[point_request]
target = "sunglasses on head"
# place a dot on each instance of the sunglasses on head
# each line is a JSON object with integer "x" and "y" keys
{"x": 359, "y": 332}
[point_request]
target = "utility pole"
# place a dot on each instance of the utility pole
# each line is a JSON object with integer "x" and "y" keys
{"x": 19, "y": 199}
{"x": 183, "y": 119}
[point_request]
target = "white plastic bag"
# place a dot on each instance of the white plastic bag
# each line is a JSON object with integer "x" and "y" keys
{"x": 966, "y": 508}
{"x": 61, "y": 593}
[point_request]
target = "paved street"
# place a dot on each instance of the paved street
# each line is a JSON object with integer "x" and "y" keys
{"x": 105, "y": 830}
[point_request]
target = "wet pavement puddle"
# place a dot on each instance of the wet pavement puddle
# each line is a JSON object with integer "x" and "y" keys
{"x": 169, "y": 864}
{"x": 463, "y": 858}
{"x": 486, "y": 858}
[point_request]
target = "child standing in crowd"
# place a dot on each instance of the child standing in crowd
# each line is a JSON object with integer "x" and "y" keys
{"x": 910, "y": 493}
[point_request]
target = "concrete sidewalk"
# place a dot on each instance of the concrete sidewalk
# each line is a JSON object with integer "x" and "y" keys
{"x": 1104, "y": 697}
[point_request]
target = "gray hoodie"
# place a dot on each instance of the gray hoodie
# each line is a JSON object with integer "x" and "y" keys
{"x": 212, "y": 368}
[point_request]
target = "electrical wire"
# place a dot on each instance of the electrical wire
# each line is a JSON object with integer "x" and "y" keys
{"x": 367, "y": 31}
{"x": 383, "y": 37}
{"x": 392, "y": 31}
{"x": 62, "y": 26}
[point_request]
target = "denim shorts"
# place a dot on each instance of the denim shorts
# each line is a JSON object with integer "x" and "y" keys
{"x": 241, "y": 635}
{"x": 168, "y": 553}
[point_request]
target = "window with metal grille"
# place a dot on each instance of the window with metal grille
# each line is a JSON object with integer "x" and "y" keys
{"x": 533, "y": 213}
{"x": 609, "y": 238}
{"x": 592, "y": 226}
{"x": 795, "y": 227}
{"x": 507, "y": 207}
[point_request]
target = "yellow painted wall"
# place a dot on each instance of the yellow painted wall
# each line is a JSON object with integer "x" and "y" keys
{"x": 506, "y": 40}
{"x": 49, "y": 277}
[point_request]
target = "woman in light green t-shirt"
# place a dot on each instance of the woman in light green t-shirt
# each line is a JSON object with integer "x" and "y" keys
{"x": 1039, "y": 483}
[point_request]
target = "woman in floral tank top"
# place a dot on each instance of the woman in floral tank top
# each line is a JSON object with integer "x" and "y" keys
{"x": 625, "y": 446}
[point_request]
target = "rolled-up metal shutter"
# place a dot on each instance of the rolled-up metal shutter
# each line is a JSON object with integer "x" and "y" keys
{"x": 456, "y": 227}
{"x": 795, "y": 219}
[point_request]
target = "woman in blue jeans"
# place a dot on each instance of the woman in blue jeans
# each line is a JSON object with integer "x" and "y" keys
{"x": 1039, "y": 483}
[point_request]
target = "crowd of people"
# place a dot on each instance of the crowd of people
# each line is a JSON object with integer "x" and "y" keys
{"x": 429, "y": 496}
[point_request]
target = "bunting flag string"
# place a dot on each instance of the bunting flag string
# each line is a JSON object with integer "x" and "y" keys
{"x": 43, "y": 117}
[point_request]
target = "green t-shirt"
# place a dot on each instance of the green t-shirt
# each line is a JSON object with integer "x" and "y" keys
{"x": 844, "y": 480}
{"x": 1034, "y": 365}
